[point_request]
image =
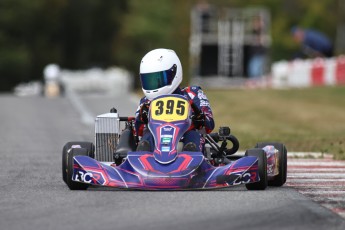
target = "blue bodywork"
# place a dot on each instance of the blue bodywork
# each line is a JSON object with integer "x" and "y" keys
{"x": 166, "y": 168}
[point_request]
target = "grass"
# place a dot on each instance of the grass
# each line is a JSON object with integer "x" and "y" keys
{"x": 310, "y": 119}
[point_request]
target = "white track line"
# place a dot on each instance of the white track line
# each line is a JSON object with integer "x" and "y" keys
{"x": 85, "y": 115}
{"x": 317, "y": 170}
{"x": 321, "y": 179}
{"x": 317, "y": 175}
{"x": 316, "y": 163}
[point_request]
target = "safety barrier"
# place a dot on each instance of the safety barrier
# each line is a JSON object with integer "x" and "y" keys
{"x": 308, "y": 73}
{"x": 114, "y": 81}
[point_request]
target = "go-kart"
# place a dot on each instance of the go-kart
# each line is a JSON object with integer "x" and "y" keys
{"x": 115, "y": 162}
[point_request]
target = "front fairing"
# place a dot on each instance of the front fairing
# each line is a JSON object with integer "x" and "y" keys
{"x": 189, "y": 171}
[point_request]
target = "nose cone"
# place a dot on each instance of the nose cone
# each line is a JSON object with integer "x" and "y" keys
{"x": 165, "y": 157}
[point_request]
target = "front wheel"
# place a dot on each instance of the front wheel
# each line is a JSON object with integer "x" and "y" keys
{"x": 279, "y": 179}
{"x": 69, "y": 169}
{"x": 89, "y": 146}
{"x": 262, "y": 168}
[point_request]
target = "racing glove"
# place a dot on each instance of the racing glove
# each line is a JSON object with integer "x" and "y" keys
{"x": 143, "y": 113}
{"x": 198, "y": 120}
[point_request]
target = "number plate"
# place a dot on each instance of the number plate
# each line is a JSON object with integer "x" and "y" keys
{"x": 169, "y": 109}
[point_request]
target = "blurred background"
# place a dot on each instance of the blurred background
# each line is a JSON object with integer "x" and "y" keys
{"x": 84, "y": 34}
{"x": 87, "y": 45}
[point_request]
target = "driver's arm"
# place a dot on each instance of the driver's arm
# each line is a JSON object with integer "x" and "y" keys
{"x": 199, "y": 99}
{"x": 140, "y": 121}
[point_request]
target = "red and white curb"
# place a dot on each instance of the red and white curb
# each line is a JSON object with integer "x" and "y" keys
{"x": 318, "y": 177}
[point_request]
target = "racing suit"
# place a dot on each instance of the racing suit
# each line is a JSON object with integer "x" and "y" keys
{"x": 194, "y": 95}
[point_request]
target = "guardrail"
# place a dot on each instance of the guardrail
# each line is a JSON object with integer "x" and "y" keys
{"x": 113, "y": 81}
{"x": 310, "y": 72}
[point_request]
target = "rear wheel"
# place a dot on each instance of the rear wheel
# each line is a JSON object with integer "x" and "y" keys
{"x": 262, "y": 168}
{"x": 279, "y": 179}
{"x": 89, "y": 146}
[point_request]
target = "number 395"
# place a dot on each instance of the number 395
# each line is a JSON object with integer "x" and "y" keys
{"x": 170, "y": 107}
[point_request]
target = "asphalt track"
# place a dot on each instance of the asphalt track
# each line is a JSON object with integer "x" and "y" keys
{"x": 33, "y": 195}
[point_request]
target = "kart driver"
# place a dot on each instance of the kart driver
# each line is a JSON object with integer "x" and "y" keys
{"x": 160, "y": 74}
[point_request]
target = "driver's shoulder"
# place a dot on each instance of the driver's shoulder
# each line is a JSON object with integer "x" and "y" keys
{"x": 193, "y": 89}
{"x": 144, "y": 100}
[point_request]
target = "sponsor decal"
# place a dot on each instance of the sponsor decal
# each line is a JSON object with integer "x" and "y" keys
{"x": 83, "y": 177}
{"x": 272, "y": 160}
{"x": 245, "y": 178}
{"x": 270, "y": 169}
{"x": 167, "y": 129}
{"x": 166, "y": 140}
{"x": 201, "y": 95}
{"x": 165, "y": 149}
{"x": 204, "y": 103}
{"x": 191, "y": 95}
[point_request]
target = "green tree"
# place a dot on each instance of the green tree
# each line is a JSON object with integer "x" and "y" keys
{"x": 27, "y": 30}
{"x": 72, "y": 33}
{"x": 154, "y": 24}
{"x": 145, "y": 27}
{"x": 84, "y": 33}
{"x": 88, "y": 30}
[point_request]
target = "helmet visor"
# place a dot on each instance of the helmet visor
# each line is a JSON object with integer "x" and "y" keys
{"x": 156, "y": 80}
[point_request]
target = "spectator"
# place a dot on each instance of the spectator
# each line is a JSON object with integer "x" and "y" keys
{"x": 313, "y": 43}
{"x": 257, "y": 50}
{"x": 204, "y": 10}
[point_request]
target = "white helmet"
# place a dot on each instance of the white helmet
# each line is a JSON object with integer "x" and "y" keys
{"x": 160, "y": 73}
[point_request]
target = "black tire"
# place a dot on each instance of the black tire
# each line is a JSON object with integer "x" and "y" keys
{"x": 261, "y": 155}
{"x": 235, "y": 145}
{"x": 90, "y": 147}
{"x": 69, "y": 172}
{"x": 280, "y": 179}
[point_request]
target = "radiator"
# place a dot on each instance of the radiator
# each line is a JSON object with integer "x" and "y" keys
{"x": 107, "y": 132}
